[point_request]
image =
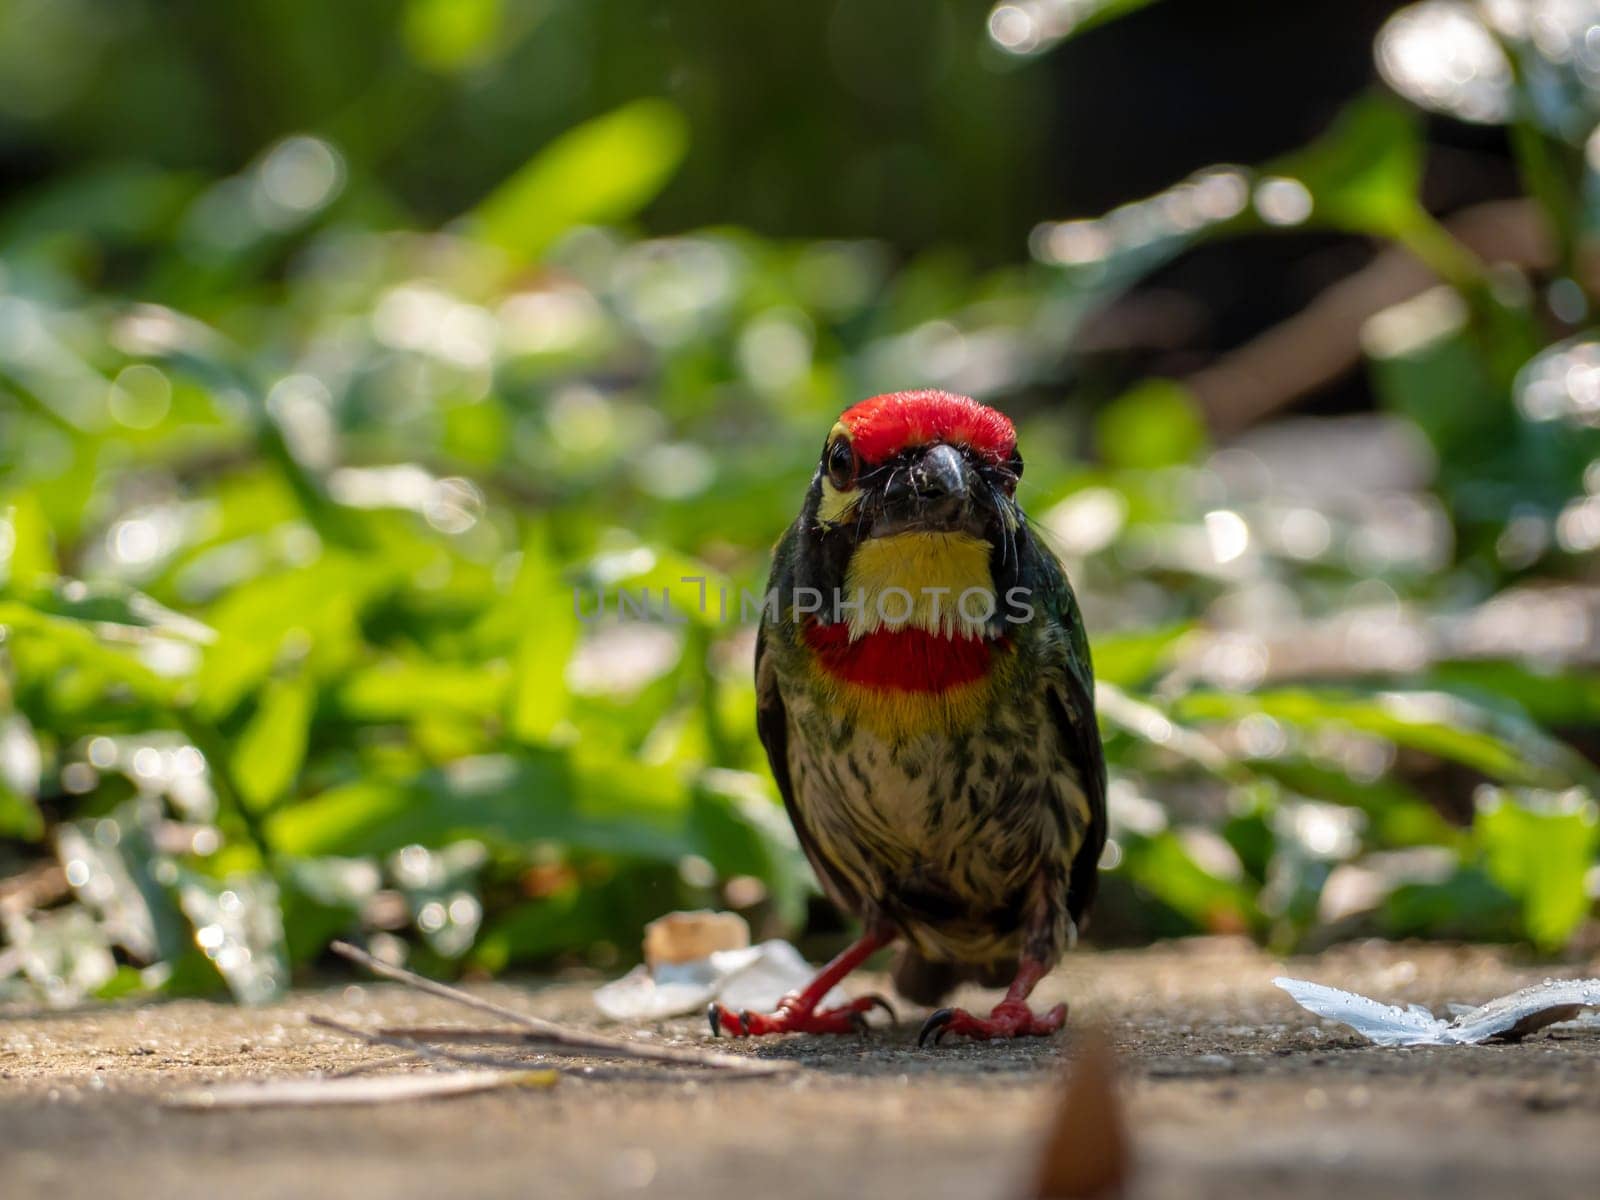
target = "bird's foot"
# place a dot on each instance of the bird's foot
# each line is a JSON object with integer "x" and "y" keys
{"x": 793, "y": 1015}
{"x": 1010, "y": 1019}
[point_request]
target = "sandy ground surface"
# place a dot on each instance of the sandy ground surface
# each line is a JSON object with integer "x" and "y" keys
{"x": 1230, "y": 1090}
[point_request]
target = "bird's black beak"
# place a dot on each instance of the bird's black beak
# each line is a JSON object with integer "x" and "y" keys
{"x": 941, "y": 473}
{"x": 931, "y": 492}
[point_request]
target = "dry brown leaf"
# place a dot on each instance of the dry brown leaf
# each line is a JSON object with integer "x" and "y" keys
{"x": 1087, "y": 1154}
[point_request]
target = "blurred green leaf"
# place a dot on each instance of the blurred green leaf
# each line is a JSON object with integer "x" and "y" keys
{"x": 1541, "y": 856}
{"x": 451, "y": 35}
{"x": 113, "y": 604}
{"x": 238, "y": 924}
{"x": 1099, "y": 12}
{"x": 549, "y": 631}
{"x": 1162, "y": 866}
{"x": 545, "y": 927}
{"x": 64, "y": 642}
{"x": 119, "y": 203}
{"x": 604, "y": 806}
{"x": 1498, "y": 744}
{"x": 27, "y": 546}
{"x": 269, "y": 752}
{"x": 1397, "y": 816}
{"x": 19, "y": 816}
{"x": 1129, "y": 660}
{"x": 603, "y": 171}
{"x": 1556, "y": 697}
{"x": 1364, "y": 172}
{"x": 1365, "y": 176}
{"x": 311, "y": 611}
{"x": 1156, "y": 424}
{"x": 126, "y": 982}
{"x": 322, "y": 899}
{"x": 744, "y": 832}
{"x": 1467, "y": 904}
{"x": 405, "y": 689}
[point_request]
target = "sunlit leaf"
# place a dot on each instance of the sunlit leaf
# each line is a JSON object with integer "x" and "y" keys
{"x": 27, "y": 546}
{"x": 1541, "y": 856}
{"x": 1558, "y": 698}
{"x": 605, "y": 170}
{"x": 269, "y": 752}
{"x": 1364, "y": 172}
{"x": 1128, "y": 660}
{"x": 604, "y": 806}
{"x": 113, "y": 604}
{"x": 238, "y": 925}
{"x": 450, "y": 35}
{"x": 1497, "y": 744}
{"x": 312, "y": 611}
{"x": 549, "y": 631}
{"x": 1157, "y": 424}
{"x": 1165, "y": 868}
{"x": 19, "y": 816}
{"x": 404, "y": 689}
{"x": 69, "y": 642}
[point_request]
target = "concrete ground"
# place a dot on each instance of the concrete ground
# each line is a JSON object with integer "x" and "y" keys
{"x": 1229, "y": 1090}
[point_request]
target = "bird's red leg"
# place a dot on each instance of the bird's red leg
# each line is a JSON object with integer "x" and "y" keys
{"x": 798, "y": 1013}
{"x": 1010, "y": 1018}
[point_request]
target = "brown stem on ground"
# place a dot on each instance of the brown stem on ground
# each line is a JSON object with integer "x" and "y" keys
{"x": 542, "y": 1032}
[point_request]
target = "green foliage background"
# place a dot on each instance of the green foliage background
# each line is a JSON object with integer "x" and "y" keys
{"x": 304, "y": 460}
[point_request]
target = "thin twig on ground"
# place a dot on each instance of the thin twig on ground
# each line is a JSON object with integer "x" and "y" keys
{"x": 380, "y": 1089}
{"x": 542, "y": 1032}
{"x": 415, "y": 1042}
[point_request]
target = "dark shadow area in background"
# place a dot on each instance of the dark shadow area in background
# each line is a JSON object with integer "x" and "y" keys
{"x": 891, "y": 119}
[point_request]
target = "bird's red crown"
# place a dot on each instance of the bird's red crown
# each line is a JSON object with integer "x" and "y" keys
{"x": 883, "y": 426}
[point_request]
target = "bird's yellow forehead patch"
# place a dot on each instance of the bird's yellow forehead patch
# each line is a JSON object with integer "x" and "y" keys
{"x": 934, "y": 567}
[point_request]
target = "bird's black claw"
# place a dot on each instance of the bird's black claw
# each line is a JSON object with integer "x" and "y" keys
{"x": 858, "y": 1022}
{"x": 879, "y": 1002}
{"x": 935, "y": 1025}
{"x": 715, "y": 1018}
{"x": 744, "y": 1022}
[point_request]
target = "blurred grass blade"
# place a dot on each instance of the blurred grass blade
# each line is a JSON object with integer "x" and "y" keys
{"x": 269, "y": 752}
{"x": 603, "y": 171}
{"x": 114, "y": 604}
{"x": 549, "y": 632}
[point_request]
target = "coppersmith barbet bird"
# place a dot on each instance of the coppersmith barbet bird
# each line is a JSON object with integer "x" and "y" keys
{"x": 926, "y": 701}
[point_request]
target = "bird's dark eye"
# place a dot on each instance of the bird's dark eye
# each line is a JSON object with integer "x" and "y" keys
{"x": 841, "y": 462}
{"x": 1013, "y": 469}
